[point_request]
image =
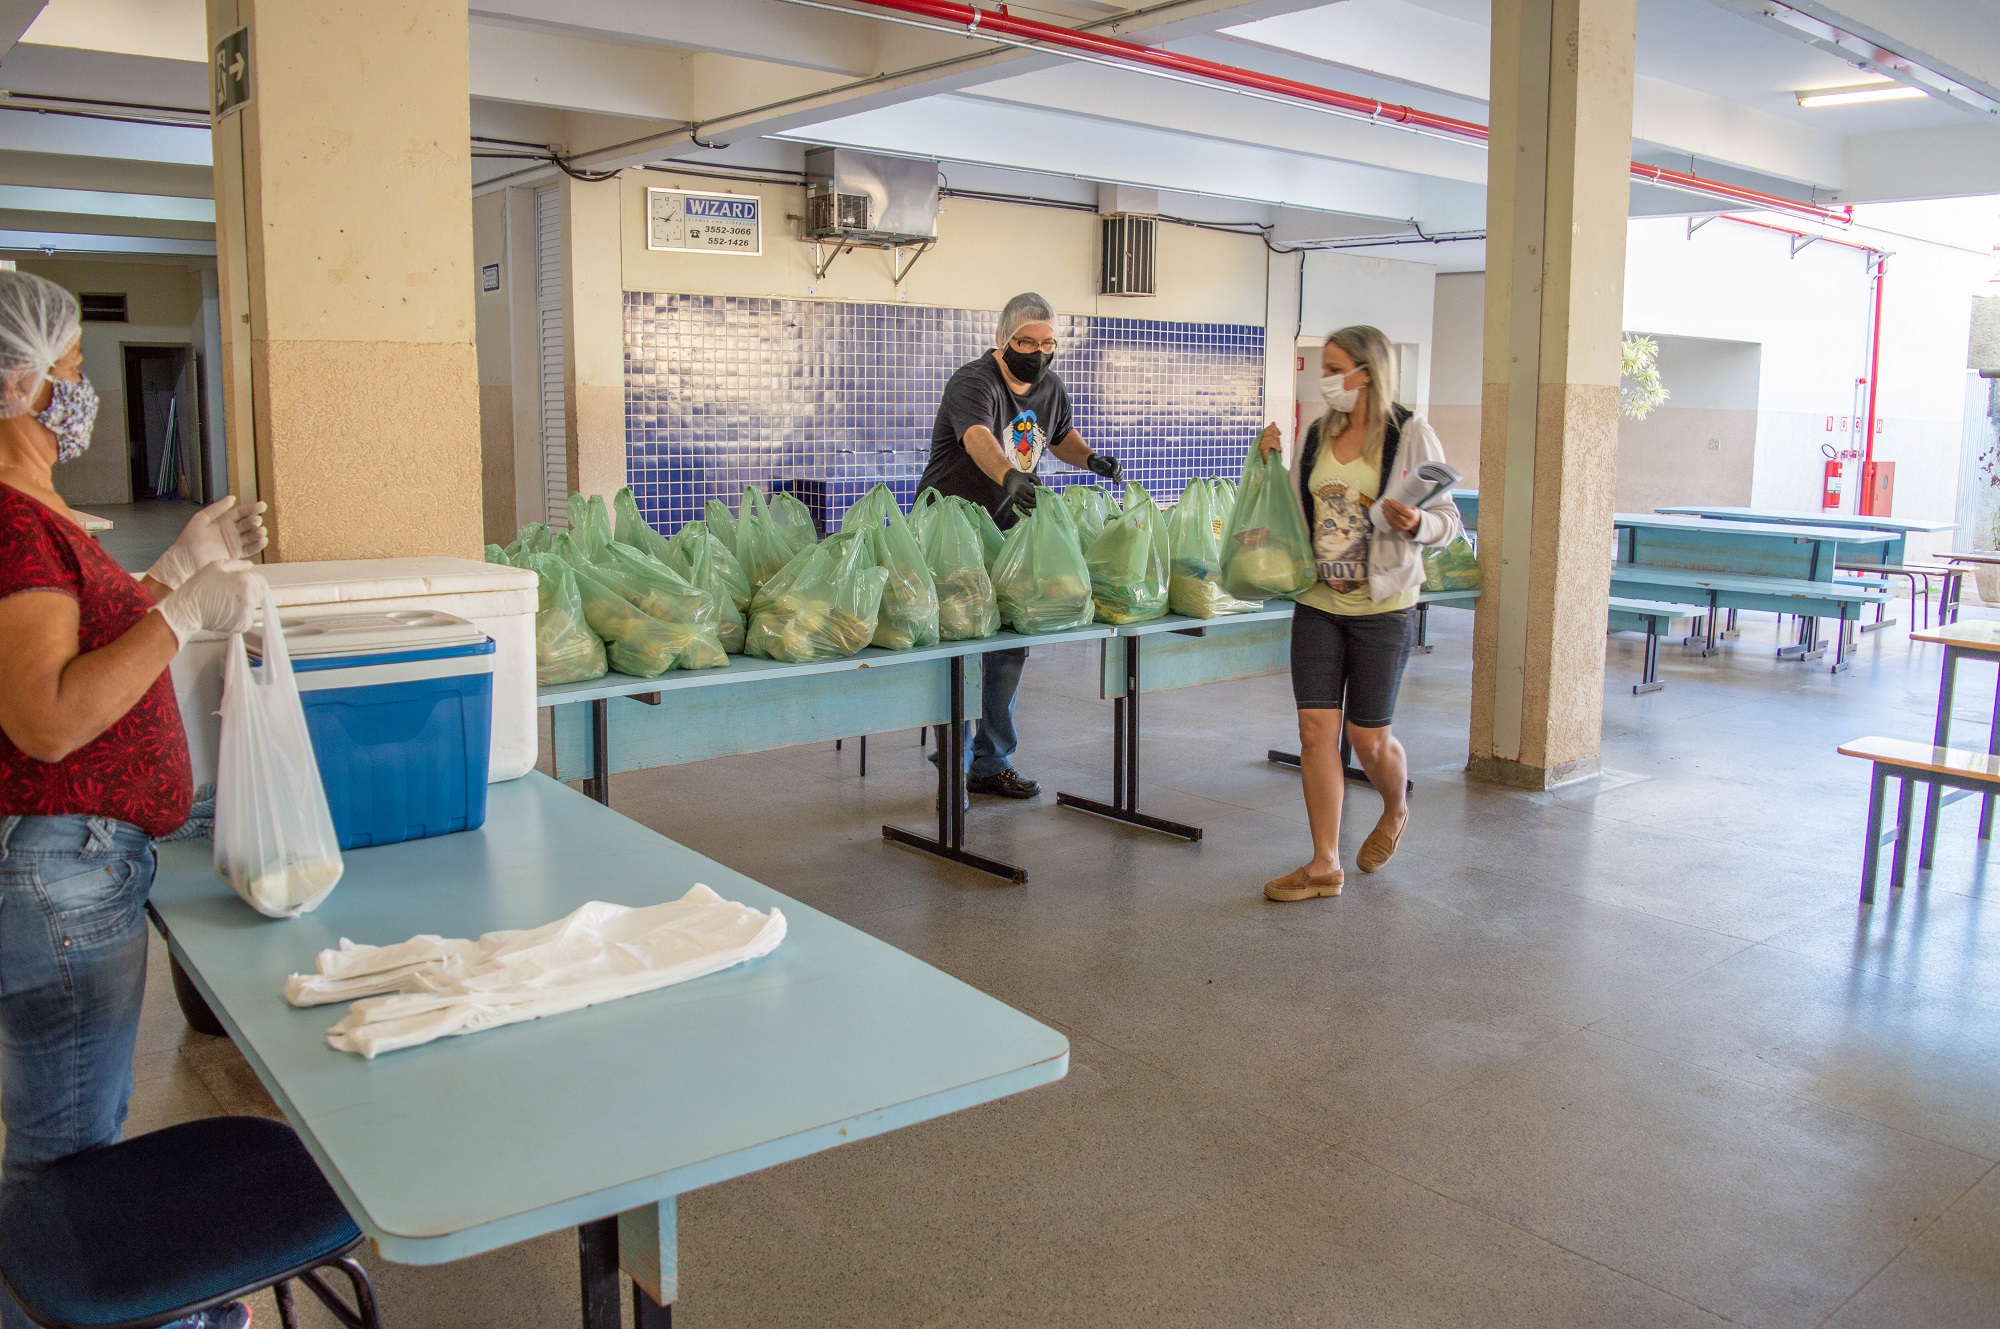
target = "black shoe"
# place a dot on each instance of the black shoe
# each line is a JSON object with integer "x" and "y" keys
{"x": 1009, "y": 783}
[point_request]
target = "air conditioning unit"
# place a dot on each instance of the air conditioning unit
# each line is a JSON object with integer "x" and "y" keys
{"x": 1129, "y": 253}
{"x": 863, "y": 198}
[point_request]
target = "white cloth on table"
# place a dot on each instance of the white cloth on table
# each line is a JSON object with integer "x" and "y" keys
{"x": 446, "y": 986}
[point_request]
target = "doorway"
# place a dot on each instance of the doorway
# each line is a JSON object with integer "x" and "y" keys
{"x": 162, "y": 423}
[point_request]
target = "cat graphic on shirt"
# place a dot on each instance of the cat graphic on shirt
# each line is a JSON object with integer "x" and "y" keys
{"x": 1340, "y": 535}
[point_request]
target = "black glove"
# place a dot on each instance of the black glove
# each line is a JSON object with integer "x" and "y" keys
{"x": 1105, "y": 466}
{"x": 1021, "y": 489}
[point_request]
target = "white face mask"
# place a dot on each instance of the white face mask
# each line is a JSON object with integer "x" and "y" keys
{"x": 1338, "y": 396}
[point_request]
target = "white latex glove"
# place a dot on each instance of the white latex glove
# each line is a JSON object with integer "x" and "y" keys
{"x": 225, "y": 596}
{"x": 219, "y": 531}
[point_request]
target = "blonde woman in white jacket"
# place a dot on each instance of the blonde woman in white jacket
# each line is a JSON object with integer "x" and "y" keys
{"x": 1353, "y": 631}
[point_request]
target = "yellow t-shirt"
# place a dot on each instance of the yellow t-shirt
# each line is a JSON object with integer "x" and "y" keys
{"x": 1342, "y": 493}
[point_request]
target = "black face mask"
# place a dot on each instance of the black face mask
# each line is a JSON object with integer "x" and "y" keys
{"x": 1025, "y": 366}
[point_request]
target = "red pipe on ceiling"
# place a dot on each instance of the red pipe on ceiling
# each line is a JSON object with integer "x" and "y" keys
{"x": 1003, "y": 26}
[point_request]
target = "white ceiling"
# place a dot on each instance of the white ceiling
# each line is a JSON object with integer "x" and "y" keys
{"x": 1717, "y": 88}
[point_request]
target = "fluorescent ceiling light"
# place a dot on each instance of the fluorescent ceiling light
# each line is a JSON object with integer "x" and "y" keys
{"x": 1874, "y": 92}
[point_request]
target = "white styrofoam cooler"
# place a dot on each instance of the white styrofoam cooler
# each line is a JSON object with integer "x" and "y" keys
{"x": 500, "y": 601}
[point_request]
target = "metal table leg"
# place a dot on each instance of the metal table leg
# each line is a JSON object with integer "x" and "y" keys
{"x": 950, "y": 841}
{"x": 1941, "y": 737}
{"x": 1423, "y": 646}
{"x": 1871, "y": 852}
{"x": 597, "y": 1259}
{"x": 598, "y": 786}
{"x": 1902, "y": 858}
{"x": 1650, "y": 681}
{"x": 1278, "y": 757}
{"x": 1125, "y": 763}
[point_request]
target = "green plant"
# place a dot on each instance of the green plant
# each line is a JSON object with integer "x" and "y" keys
{"x": 1639, "y": 386}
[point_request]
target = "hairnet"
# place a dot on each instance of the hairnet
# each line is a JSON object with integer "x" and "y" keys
{"x": 38, "y": 323}
{"x": 1027, "y": 307}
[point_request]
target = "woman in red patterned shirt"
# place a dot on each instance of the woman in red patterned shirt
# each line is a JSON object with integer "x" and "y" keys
{"x": 93, "y": 757}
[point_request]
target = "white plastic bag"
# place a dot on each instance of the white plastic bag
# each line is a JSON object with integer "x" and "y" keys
{"x": 274, "y": 840}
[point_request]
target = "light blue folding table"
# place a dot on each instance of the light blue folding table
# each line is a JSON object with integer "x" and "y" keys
{"x": 596, "y": 1119}
{"x": 757, "y": 705}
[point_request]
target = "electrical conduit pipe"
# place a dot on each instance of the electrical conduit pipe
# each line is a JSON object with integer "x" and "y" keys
{"x": 1001, "y": 26}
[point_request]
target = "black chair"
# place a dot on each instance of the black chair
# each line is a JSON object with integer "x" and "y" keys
{"x": 140, "y": 1234}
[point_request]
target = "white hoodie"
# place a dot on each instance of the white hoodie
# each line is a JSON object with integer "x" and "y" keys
{"x": 1395, "y": 560}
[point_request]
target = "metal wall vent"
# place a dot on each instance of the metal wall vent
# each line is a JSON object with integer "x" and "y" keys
{"x": 1129, "y": 254}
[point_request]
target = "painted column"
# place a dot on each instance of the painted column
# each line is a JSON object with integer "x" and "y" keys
{"x": 1556, "y": 205}
{"x": 344, "y": 233}
{"x": 594, "y": 334}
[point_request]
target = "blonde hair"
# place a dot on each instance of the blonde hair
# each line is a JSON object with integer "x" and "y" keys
{"x": 1369, "y": 350}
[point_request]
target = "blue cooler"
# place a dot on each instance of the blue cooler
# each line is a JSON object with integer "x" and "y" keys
{"x": 400, "y": 707}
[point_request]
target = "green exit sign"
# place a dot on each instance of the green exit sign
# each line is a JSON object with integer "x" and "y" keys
{"x": 231, "y": 70}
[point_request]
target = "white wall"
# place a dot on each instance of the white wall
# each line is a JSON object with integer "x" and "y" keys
{"x": 1344, "y": 289}
{"x": 1457, "y": 331}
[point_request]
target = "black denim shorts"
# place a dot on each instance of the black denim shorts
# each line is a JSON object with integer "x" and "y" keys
{"x": 1351, "y": 662}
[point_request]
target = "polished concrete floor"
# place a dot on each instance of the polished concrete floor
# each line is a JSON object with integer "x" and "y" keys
{"x": 1628, "y": 1053}
{"x": 141, "y": 532}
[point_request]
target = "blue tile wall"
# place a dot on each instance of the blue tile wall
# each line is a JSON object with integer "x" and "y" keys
{"x": 724, "y": 390}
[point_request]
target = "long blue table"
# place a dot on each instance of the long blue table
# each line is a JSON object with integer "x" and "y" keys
{"x": 757, "y": 705}
{"x": 596, "y": 1119}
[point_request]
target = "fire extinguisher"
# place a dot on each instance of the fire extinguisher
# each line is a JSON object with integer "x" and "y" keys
{"x": 1830, "y": 495}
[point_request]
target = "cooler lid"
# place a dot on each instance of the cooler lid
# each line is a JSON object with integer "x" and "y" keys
{"x": 389, "y": 633}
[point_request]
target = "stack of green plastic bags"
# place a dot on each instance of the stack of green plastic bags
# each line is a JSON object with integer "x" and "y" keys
{"x": 909, "y": 613}
{"x": 1195, "y": 534}
{"x": 1266, "y": 551}
{"x": 566, "y": 650}
{"x": 1129, "y": 558}
{"x": 1039, "y": 576}
{"x": 608, "y": 603}
{"x": 823, "y": 604}
{"x": 698, "y": 555}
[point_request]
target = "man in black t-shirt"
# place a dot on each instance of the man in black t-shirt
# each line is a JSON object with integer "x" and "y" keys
{"x": 999, "y": 414}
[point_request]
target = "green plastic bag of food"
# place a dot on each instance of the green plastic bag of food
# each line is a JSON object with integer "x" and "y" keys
{"x": 909, "y": 613}
{"x": 590, "y": 525}
{"x": 794, "y": 521}
{"x": 761, "y": 548}
{"x": 820, "y": 606}
{"x": 1090, "y": 507}
{"x": 495, "y": 554}
{"x": 722, "y": 522}
{"x": 725, "y": 570}
{"x": 636, "y": 643}
{"x": 631, "y": 529}
{"x": 1452, "y": 567}
{"x": 967, "y": 610}
{"x": 1222, "y": 502}
{"x": 922, "y": 510}
{"x": 695, "y": 555}
{"x": 1129, "y": 561}
{"x": 1266, "y": 552}
{"x": 566, "y": 650}
{"x": 1195, "y": 537}
{"x": 983, "y": 526}
{"x": 537, "y": 538}
{"x": 1040, "y": 578}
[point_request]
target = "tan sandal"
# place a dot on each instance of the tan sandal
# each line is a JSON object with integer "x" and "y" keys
{"x": 1298, "y": 884}
{"x": 1379, "y": 848}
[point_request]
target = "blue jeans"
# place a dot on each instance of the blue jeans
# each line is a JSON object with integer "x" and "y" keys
{"x": 72, "y": 975}
{"x": 992, "y": 748}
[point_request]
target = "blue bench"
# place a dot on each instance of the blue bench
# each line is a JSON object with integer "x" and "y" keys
{"x": 1718, "y": 591}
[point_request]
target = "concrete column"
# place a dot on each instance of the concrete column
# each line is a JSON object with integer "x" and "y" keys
{"x": 344, "y": 235}
{"x": 1556, "y": 205}
{"x": 594, "y": 334}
